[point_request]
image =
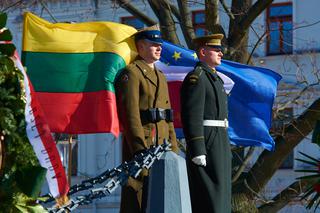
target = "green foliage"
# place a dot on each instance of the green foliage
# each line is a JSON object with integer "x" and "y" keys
{"x": 7, "y": 49}
{"x": 3, "y": 20}
{"x": 18, "y": 155}
{"x": 22, "y": 203}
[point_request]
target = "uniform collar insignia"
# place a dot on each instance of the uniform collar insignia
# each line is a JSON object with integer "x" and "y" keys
{"x": 147, "y": 71}
{"x": 208, "y": 69}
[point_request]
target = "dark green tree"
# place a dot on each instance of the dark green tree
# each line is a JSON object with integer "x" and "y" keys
{"x": 19, "y": 168}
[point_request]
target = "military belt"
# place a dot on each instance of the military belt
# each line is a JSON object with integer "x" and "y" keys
{"x": 154, "y": 115}
{"x": 217, "y": 123}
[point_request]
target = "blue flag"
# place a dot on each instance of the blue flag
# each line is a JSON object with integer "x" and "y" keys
{"x": 250, "y": 100}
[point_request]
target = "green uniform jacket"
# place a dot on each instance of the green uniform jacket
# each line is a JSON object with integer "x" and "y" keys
{"x": 139, "y": 87}
{"x": 203, "y": 98}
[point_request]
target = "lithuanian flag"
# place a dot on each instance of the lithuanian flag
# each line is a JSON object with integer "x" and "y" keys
{"x": 72, "y": 67}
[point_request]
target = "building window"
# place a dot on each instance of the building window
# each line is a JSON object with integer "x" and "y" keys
{"x": 279, "y": 26}
{"x": 199, "y": 23}
{"x": 280, "y": 121}
{"x": 132, "y": 21}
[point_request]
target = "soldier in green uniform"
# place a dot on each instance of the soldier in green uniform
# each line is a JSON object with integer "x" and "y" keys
{"x": 144, "y": 111}
{"x": 204, "y": 119}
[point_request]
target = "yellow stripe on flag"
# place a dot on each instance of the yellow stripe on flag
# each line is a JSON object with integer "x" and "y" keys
{"x": 40, "y": 35}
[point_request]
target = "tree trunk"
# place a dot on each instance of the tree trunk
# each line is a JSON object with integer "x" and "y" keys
{"x": 212, "y": 17}
{"x": 240, "y": 54}
{"x": 125, "y": 4}
{"x": 244, "y": 17}
{"x": 237, "y": 51}
{"x": 168, "y": 28}
{"x": 186, "y": 23}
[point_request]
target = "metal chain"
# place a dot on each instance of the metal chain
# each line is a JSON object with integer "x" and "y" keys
{"x": 115, "y": 177}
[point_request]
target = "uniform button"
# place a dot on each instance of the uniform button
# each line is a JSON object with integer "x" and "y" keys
{"x": 144, "y": 70}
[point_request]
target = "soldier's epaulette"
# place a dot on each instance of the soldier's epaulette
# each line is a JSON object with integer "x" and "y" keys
{"x": 195, "y": 75}
{"x": 131, "y": 66}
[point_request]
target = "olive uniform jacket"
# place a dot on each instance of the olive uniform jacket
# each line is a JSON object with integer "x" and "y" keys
{"x": 139, "y": 88}
{"x": 203, "y": 98}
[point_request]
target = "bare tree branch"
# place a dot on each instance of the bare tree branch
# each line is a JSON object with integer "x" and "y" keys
{"x": 212, "y": 17}
{"x": 125, "y": 4}
{"x": 175, "y": 11}
{"x": 186, "y": 23}
{"x": 48, "y": 11}
{"x": 196, "y": 2}
{"x": 256, "y": 45}
{"x": 12, "y": 5}
{"x": 293, "y": 100}
{"x": 286, "y": 195}
{"x": 228, "y": 11}
{"x": 307, "y": 25}
{"x": 240, "y": 27}
{"x": 244, "y": 164}
{"x": 162, "y": 10}
{"x": 254, "y": 12}
{"x": 212, "y": 14}
{"x": 238, "y": 38}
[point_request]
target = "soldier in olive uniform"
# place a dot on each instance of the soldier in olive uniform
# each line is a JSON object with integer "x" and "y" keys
{"x": 204, "y": 120}
{"x": 144, "y": 111}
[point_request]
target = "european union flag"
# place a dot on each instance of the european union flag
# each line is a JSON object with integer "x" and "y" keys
{"x": 250, "y": 102}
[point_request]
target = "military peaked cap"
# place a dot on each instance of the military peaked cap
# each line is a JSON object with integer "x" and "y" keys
{"x": 213, "y": 40}
{"x": 151, "y": 34}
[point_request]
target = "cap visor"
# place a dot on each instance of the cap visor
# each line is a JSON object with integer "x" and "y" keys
{"x": 215, "y": 46}
{"x": 155, "y": 40}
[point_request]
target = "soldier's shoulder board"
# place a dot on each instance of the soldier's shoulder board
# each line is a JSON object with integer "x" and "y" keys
{"x": 131, "y": 66}
{"x": 194, "y": 76}
{"x": 193, "y": 79}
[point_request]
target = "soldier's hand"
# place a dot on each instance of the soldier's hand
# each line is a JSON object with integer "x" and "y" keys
{"x": 200, "y": 160}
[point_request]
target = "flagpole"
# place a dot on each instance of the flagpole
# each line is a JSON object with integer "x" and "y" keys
{"x": 70, "y": 159}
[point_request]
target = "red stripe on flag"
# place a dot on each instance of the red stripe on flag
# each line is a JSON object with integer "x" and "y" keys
{"x": 37, "y": 128}
{"x": 174, "y": 93}
{"x": 79, "y": 113}
{"x": 49, "y": 145}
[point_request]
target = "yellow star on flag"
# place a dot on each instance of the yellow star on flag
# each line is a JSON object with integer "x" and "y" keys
{"x": 176, "y": 55}
{"x": 194, "y": 55}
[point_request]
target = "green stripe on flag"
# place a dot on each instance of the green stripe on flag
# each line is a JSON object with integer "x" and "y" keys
{"x": 72, "y": 72}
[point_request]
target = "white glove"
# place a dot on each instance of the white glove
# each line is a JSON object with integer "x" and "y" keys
{"x": 200, "y": 160}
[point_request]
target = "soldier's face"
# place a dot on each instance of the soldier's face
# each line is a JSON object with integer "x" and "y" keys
{"x": 210, "y": 55}
{"x": 149, "y": 51}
